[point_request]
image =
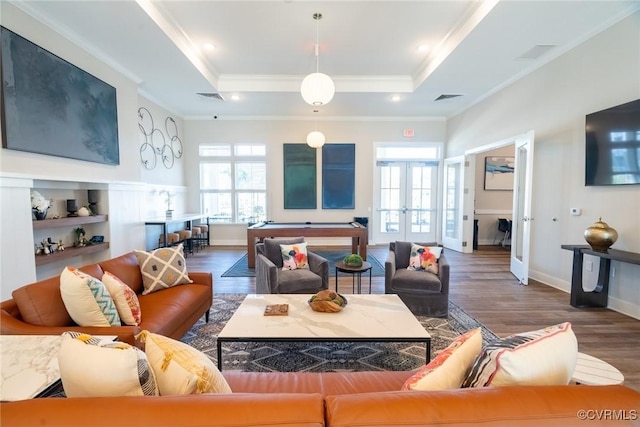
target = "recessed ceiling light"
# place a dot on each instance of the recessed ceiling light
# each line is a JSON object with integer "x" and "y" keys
{"x": 209, "y": 46}
{"x": 395, "y": 98}
{"x": 235, "y": 97}
{"x": 423, "y": 48}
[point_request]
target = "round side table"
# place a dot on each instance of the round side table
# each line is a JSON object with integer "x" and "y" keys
{"x": 593, "y": 371}
{"x": 354, "y": 271}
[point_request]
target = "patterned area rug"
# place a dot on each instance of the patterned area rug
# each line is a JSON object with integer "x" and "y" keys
{"x": 240, "y": 269}
{"x": 324, "y": 357}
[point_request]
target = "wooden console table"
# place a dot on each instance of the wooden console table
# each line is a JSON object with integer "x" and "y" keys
{"x": 599, "y": 296}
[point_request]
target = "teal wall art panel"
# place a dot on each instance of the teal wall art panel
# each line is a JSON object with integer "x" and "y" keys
{"x": 299, "y": 177}
{"x": 338, "y": 176}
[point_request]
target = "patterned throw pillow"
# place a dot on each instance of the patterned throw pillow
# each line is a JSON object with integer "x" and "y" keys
{"x": 449, "y": 368}
{"x": 87, "y": 299}
{"x": 294, "y": 256}
{"x": 125, "y": 299}
{"x": 544, "y": 357}
{"x": 424, "y": 258}
{"x": 162, "y": 268}
{"x": 91, "y": 367}
{"x": 180, "y": 368}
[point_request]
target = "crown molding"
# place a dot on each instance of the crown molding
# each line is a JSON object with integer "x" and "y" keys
{"x": 322, "y": 119}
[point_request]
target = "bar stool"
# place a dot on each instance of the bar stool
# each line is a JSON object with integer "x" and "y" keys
{"x": 196, "y": 236}
{"x": 204, "y": 230}
{"x": 185, "y": 236}
{"x": 172, "y": 238}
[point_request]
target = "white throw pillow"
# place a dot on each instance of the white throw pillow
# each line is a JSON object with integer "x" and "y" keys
{"x": 162, "y": 268}
{"x": 544, "y": 357}
{"x": 87, "y": 299}
{"x": 180, "y": 368}
{"x": 91, "y": 367}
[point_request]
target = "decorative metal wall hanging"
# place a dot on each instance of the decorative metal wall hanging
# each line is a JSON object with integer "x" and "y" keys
{"x": 155, "y": 143}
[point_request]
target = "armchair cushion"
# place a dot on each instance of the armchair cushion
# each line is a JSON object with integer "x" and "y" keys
{"x": 416, "y": 281}
{"x": 294, "y": 256}
{"x": 292, "y": 281}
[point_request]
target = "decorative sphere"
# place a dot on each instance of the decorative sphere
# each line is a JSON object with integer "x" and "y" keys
{"x": 315, "y": 139}
{"x": 600, "y": 236}
{"x": 83, "y": 211}
{"x": 317, "y": 89}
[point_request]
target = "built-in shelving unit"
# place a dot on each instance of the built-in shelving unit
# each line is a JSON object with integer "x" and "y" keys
{"x": 72, "y": 251}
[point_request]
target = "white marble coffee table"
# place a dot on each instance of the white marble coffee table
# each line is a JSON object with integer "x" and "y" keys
{"x": 366, "y": 318}
{"x": 29, "y": 365}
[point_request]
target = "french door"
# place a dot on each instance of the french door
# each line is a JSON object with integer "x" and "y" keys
{"x": 406, "y": 199}
{"x": 521, "y": 225}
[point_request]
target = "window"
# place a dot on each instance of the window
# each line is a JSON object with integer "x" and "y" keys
{"x": 233, "y": 182}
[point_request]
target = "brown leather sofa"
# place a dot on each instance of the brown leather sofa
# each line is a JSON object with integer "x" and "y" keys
{"x": 37, "y": 308}
{"x": 339, "y": 399}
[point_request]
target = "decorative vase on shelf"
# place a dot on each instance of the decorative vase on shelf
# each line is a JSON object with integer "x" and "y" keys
{"x": 40, "y": 215}
{"x": 600, "y": 236}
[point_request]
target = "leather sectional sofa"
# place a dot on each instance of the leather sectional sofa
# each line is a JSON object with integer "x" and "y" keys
{"x": 339, "y": 399}
{"x": 38, "y": 309}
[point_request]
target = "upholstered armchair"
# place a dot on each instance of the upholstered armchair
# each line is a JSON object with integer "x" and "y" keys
{"x": 272, "y": 279}
{"x": 423, "y": 292}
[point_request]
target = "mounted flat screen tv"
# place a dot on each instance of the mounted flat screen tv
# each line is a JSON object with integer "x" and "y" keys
{"x": 52, "y": 107}
{"x": 613, "y": 146}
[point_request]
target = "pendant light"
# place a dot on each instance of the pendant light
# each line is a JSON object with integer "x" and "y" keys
{"x": 315, "y": 139}
{"x": 317, "y": 88}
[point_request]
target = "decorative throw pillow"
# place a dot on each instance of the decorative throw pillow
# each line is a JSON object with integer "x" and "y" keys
{"x": 91, "y": 367}
{"x": 87, "y": 299}
{"x": 449, "y": 368}
{"x": 180, "y": 368}
{"x": 543, "y": 357}
{"x": 162, "y": 268}
{"x": 424, "y": 258}
{"x": 125, "y": 299}
{"x": 294, "y": 256}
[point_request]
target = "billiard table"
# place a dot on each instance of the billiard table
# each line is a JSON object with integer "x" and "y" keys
{"x": 257, "y": 232}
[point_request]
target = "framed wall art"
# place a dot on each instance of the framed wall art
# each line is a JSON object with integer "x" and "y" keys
{"x": 498, "y": 173}
{"x": 299, "y": 176}
{"x": 338, "y": 176}
{"x": 52, "y": 107}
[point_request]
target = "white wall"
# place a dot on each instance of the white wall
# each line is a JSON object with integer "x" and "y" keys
{"x": 128, "y": 200}
{"x": 275, "y": 133}
{"x": 553, "y": 101}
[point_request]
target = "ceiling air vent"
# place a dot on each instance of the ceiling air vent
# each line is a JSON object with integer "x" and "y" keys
{"x": 215, "y": 95}
{"x": 446, "y": 96}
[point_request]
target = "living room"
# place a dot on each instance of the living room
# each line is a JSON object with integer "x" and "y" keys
{"x": 552, "y": 100}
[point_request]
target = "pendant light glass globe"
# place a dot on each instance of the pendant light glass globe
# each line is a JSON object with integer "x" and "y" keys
{"x": 317, "y": 89}
{"x": 315, "y": 139}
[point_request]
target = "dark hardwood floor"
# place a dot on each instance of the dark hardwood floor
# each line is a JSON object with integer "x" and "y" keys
{"x": 483, "y": 286}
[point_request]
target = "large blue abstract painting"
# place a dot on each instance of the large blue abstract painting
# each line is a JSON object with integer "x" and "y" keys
{"x": 338, "y": 176}
{"x": 50, "y": 106}
{"x": 498, "y": 173}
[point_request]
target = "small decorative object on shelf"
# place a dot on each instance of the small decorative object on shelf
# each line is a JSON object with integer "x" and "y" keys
{"x": 72, "y": 207}
{"x": 93, "y": 201}
{"x": 39, "y": 205}
{"x": 353, "y": 260}
{"x": 84, "y": 211}
{"x": 80, "y": 239}
{"x": 600, "y": 236}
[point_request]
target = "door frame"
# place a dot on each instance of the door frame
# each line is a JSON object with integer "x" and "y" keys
{"x": 470, "y": 179}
